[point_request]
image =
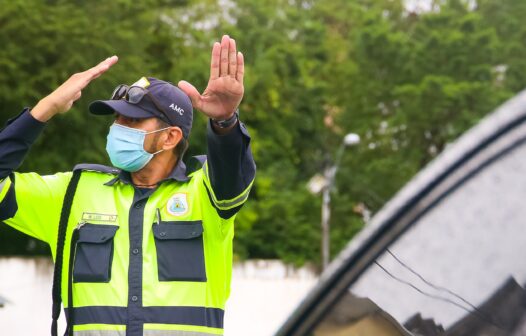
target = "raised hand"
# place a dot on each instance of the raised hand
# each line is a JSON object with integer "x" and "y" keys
{"x": 225, "y": 86}
{"x": 61, "y": 100}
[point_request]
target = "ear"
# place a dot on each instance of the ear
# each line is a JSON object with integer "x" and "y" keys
{"x": 174, "y": 135}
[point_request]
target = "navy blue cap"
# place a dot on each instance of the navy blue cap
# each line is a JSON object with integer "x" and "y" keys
{"x": 175, "y": 103}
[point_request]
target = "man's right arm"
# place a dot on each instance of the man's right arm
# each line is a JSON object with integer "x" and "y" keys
{"x": 29, "y": 202}
{"x": 23, "y": 130}
{"x": 16, "y": 139}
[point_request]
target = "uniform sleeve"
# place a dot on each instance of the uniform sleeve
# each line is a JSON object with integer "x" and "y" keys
{"x": 229, "y": 170}
{"x": 16, "y": 138}
{"x": 28, "y": 202}
{"x": 37, "y": 202}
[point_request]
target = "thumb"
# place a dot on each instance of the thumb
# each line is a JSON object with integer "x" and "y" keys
{"x": 192, "y": 92}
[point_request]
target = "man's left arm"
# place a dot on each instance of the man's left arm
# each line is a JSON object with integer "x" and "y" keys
{"x": 230, "y": 168}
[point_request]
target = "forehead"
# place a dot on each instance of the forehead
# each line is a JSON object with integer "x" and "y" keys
{"x": 138, "y": 121}
{"x": 119, "y": 115}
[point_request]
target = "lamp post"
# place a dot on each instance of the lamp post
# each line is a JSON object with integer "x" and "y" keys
{"x": 325, "y": 184}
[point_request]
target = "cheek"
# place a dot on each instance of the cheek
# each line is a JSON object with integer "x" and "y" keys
{"x": 153, "y": 142}
{"x": 147, "y": 144}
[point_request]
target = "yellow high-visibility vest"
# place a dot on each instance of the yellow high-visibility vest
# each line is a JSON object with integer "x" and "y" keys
{"x": 155, "y": 263}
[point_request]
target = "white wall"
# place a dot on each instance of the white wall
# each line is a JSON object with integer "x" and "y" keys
{"x": 263, "y": 294}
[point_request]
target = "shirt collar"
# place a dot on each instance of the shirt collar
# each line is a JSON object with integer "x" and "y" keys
{"x": 178, "y": 174}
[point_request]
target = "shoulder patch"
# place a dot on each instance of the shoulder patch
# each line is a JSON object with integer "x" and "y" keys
{"x": 97, "y": 167}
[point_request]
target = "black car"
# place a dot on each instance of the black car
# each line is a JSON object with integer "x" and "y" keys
{"x": 445, "y": 256}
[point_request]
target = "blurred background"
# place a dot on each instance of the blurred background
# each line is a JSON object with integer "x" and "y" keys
{"x": 406, "y": 78}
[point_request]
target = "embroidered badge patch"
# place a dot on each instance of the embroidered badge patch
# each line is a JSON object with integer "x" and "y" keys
{"x": 177, "y": 205}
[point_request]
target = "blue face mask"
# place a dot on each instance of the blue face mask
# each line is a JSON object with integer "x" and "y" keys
{"x": 125, "y": 147}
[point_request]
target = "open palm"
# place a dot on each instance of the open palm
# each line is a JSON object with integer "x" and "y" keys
{"x": 61, "y": 100}
{"x": 225, "y": 86}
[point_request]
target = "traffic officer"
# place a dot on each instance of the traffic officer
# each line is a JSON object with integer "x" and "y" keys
{"x": 146, "y": 246}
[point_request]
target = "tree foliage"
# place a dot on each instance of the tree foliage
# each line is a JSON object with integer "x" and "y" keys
{"x": 409, "y": 83}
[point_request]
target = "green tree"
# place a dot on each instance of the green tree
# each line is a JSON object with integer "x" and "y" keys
{"x": 408, "y": 83}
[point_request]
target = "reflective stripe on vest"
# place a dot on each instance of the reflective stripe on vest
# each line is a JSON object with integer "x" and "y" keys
{"x": 176, "y": 333}
{"x": 146, "y": 333}
{"x": 224, "y": 204}
{"x": 100, "y": 332}
{"x": 198, "y": 316}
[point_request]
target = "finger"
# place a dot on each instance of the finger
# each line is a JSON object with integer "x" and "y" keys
{"x": 192, "y": 92}
{"x": 100, "y": 68}
{"x": 240, "y": 67}
{"x": 225, "y": 41}
{"x": 232, "y": 58}
{"x": 214, "y": 66}
{"x": 82, "y": 79}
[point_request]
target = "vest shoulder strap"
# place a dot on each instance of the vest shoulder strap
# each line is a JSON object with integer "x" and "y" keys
{"x": 195, "y": 163}
{"x": 59, "y": 254}
{"x": 97, "y": 168}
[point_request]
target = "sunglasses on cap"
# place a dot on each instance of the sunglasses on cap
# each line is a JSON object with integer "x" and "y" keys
{"x": 134, "y": 95}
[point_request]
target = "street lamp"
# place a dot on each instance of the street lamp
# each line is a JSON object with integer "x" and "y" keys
{"x": 324, "y": 184}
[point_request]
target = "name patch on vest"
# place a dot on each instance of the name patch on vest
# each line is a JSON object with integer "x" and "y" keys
{"x": 92, "y": 216}
{"x": 177, "y": 205}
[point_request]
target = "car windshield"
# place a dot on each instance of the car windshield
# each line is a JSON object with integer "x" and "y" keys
{"x": 458, "y": 270}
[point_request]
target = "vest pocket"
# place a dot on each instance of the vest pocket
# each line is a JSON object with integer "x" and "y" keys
{"x": 94, "y": 253}
{"x": 180, "y": 254}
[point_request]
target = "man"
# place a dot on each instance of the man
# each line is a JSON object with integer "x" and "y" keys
{"x": 147, "y": 247}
